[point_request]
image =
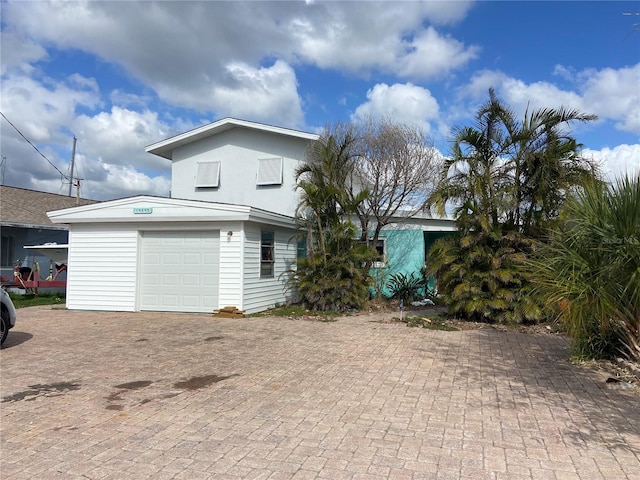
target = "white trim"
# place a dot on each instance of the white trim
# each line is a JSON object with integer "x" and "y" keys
{"x": 166, "y": 147}
{"x": 166, "y": 210}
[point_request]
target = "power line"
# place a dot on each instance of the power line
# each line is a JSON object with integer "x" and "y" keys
{"x": 36, "y": 148}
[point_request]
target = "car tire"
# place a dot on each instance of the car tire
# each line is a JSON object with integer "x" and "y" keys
{"x": 5, "y": 325}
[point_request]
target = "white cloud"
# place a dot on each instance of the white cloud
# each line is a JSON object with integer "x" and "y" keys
{"x": 40, "y": 108}
{"x": 118, "y": 137}
{"x": 616, "y": 161}
{"x": 609, "y": 93}
{"x": 211, "y": 56}
{"x": 405, "y": 103}
{"x": 47, "y": 113}
{"x": 253, "y": 93}
{"x": 18, "y": 53}
{"x": 120, "y": 181}
{"x": 432, "y": 55}
{"x": 614, "y": 94}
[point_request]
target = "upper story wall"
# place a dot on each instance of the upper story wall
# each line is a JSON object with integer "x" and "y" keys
{"x": 239, "y": 151}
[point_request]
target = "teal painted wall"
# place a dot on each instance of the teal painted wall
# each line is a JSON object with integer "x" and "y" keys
{"x": 406, "y": 253}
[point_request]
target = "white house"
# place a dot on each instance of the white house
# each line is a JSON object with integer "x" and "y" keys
{"x": 225, "y": 238}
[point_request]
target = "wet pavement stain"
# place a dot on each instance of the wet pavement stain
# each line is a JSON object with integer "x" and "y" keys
{"x": 195, "y": 383}
{"x": 38, "y": 390}
{"x": 114, "y": 397}
{"x": 134, "y": 385}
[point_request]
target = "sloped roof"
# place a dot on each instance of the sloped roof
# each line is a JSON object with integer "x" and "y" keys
{"x": 28, "y": 208}
{"x": 166, "y": 147}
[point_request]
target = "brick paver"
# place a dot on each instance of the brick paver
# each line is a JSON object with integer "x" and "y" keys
{"x": 98, "y": 395}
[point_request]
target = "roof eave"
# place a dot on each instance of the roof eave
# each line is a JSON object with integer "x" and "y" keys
{"x": 166, "y": 147}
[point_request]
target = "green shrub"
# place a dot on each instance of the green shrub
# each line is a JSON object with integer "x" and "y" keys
{"x": 404, "y": 287}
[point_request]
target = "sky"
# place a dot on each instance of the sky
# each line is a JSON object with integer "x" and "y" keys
{"x": 121, "y": 75}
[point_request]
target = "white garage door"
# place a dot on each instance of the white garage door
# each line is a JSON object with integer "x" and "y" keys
{"x": 179, "y": 271}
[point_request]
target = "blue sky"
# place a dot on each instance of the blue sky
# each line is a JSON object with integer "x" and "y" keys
{"x": 121, "y": 75}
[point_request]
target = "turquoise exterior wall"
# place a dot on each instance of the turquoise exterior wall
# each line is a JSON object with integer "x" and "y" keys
{"x": 406, "y": 251}
{"x": 404, "y": 254}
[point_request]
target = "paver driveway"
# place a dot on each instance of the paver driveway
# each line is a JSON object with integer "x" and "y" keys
{"x": 125, "y": 396}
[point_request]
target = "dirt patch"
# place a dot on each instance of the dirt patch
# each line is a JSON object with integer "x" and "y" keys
{"x": 195, "y": 383}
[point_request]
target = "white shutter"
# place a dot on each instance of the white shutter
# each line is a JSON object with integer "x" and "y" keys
{"x": 270, "y": 171}
{"x": 208, "y": 174}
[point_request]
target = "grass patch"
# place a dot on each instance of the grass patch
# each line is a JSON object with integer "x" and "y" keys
{"x": 31, "y": 300}
{"x": 435, "y": 322}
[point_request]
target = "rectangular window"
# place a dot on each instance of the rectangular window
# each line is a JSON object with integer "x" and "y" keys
{"x": 267, "y": 254}
{"x": 8, "y": 250}
{"x": 302, "y": 248}
{"x": 270, "y": 171}
{"x": 208, "y": 174}
{"x": 381, "y": 257}
{"x": 380, "y": 247}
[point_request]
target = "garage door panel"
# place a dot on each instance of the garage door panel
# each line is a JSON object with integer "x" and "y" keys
{"x": 180, "y": 271}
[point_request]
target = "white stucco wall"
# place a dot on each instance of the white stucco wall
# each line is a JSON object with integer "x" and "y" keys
{"x": 238, "y": 151}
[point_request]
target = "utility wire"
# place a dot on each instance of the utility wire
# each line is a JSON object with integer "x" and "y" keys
{"x": 36, "y": 148}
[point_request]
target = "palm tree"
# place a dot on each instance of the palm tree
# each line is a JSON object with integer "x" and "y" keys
{"x": 506, "y": 180}
{"x": 333, "y": 275}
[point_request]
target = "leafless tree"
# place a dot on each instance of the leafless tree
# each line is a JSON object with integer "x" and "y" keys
{"x": 398, "y": 165}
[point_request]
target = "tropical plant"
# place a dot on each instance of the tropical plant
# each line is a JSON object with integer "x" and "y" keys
{"x": 590, "y": 269}
{"x": 506, "y": 181}
{"x": 404, "y": 287}
{"x": 334, "y": 274}
{"x": 480, "y": 276}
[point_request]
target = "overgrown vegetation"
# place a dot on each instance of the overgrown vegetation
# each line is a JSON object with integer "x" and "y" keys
{"x": 507, "y": 180}
{"x": 334, "y": 274}
{"x": 372, "y": 173}
{"x": 590, "y": 269}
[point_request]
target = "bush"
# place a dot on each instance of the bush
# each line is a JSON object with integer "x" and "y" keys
{"x": 404, "y": 287}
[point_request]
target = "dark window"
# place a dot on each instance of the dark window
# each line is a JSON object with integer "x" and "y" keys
{"x": 267, "y": 254}
{"x": 8, "y": 250}
{"x": 302, "y": 247}
{"x": 381, "y": 259}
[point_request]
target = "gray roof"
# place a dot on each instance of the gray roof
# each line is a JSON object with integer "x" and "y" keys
{"x": 22, "y": 207}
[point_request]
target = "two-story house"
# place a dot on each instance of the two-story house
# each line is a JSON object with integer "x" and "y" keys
{"x": 224, "y": 238}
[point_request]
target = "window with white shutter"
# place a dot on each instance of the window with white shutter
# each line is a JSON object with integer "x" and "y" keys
{"x": 208, "y": 174}
{"x": 269, "y": 171}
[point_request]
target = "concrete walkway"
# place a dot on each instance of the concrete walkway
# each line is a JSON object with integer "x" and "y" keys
{"x": 101, "y": 395}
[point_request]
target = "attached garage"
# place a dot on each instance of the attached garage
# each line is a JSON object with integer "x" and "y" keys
{"x": 179, "y": 271}
{"x": 161, "y": 254}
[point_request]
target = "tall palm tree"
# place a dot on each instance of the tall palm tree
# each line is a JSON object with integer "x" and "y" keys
{"x": 506, "y": 180}
{"x": 331, "y": 276}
